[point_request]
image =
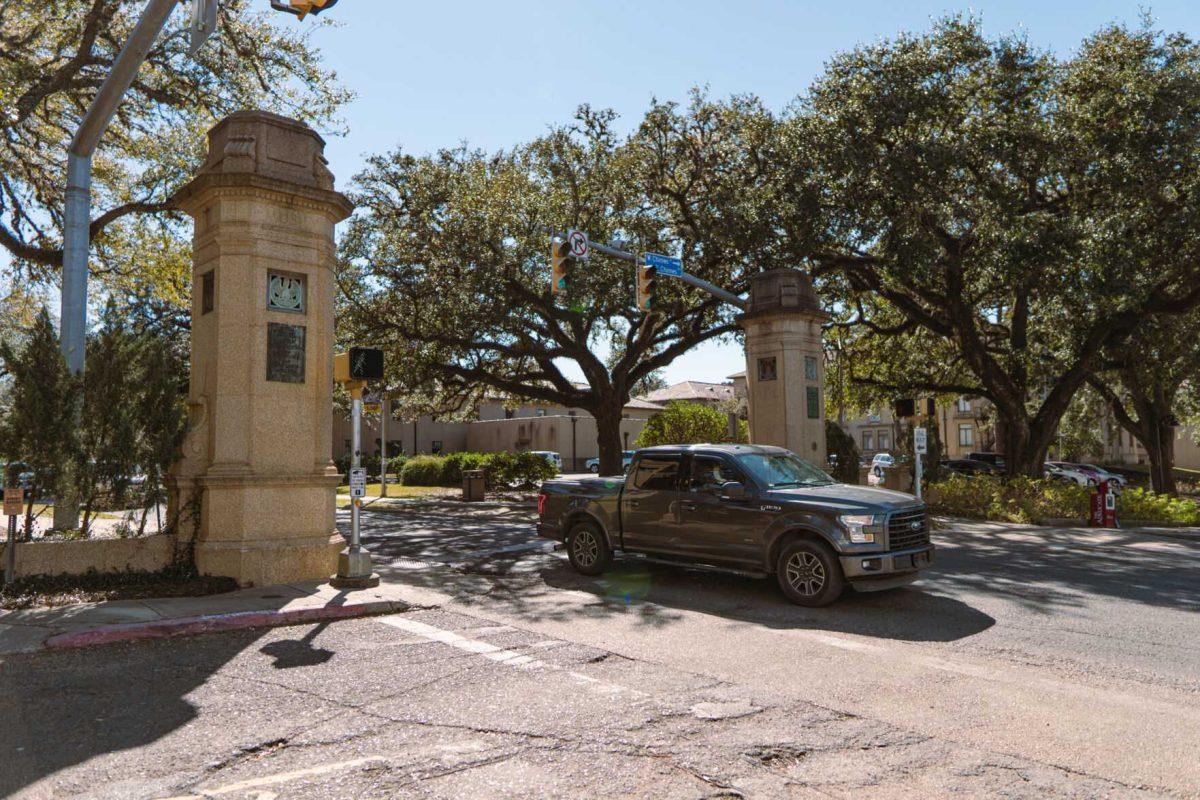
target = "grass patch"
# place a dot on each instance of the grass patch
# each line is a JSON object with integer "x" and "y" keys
{"x": 396, "y": 490}
{"x": 96, "y": 587}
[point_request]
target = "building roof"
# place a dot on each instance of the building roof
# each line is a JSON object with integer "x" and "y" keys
{"x": 635, "y": 402}
{"x": 696, "y": 391}
{"x": 736, "y": 375}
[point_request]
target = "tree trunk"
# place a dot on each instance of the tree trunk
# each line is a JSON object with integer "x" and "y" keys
{"x": 1160, "y": 447}
{"x": 608, "y": 438}
{"x": 1022, "y": 456}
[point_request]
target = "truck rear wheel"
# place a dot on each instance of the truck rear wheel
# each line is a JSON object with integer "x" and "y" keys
{"x": 588, "y": 550}
{"x": 809, "y": 573}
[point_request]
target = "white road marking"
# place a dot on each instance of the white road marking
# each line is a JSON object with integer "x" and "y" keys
{"x": 500, "y": 655}
{"x": 250, "y": 786}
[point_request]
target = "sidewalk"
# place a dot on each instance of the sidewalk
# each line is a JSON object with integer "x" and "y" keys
{"x": 88, "y": 624}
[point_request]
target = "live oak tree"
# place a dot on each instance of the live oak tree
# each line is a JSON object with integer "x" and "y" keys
{"x": 447, "y": 263}
{"x": 53, "y": 57}
{"x": 1152, "y": 384}
{"x": 1005, "y": 214}
{"x": 685, "y": 422}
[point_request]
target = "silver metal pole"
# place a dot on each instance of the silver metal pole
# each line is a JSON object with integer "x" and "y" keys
{"x": 77, "y": 208}
{"x": 10, "y": 554}
{"x": 355, "y": 463}
{"x": 917, "y": 459}
{"x": 385, "y": 410}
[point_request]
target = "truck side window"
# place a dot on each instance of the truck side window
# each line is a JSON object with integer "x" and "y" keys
{"x": 709, "y": 474}
{"x": 656, "y": 474}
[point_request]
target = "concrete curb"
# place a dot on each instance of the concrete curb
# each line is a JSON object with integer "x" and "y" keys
{"x": 215, "y": 623}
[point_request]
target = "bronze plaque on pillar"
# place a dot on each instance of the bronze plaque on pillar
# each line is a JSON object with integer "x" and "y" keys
{"x": 285, "y": 352}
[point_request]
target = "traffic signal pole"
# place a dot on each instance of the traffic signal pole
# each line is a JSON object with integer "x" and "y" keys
{"x": 636, "y": 260}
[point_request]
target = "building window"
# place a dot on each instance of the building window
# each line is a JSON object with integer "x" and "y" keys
{"x": 966, "y": 435}
{"x": 766, "y": 369}
{"x": 964, "y": 405}
{"x": 810, "y": 368}
{"x": 207, "y": 292}
{"x": 868, "y": 440}
{"x": 436, "y": 447}
{"x": 814, "y": 402}
{"x": 885, "y": 440}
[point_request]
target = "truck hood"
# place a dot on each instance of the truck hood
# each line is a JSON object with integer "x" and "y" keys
{"x": 849, "y": 498}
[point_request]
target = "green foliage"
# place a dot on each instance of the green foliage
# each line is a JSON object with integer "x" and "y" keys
{"x": 37, "y": 414}
{"x": 1020, "y": 499}
{"x": 987, "y": 218}
{"x": 447, "y": 263}
{"x": 499, "y": 469}
{"x": 842, "y": 445}
{"x": 423, "y": 471}
{"x": 55, "y": 55}
{"x": 682, "y": 422}
{"x": 1148, "y": 506}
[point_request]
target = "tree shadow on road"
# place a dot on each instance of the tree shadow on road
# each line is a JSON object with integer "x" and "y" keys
{"x": 62, "y": 708}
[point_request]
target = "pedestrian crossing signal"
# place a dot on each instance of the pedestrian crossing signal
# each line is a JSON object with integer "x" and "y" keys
{"x": 558, "y": 268}
{"x": 646, "y": 280}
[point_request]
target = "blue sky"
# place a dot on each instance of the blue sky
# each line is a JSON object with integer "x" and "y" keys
{"x": 429, "y": 75}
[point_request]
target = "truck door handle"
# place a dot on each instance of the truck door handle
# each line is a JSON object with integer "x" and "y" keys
{"x": 690, "y": 506}
{"x": 634, "y": 503}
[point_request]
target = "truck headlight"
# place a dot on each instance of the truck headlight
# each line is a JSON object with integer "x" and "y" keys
{"x": 856, "y": 526}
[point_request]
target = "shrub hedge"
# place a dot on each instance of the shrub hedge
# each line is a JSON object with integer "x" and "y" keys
{"x": 1031, "y": 501}
{"x": 499, "y": 469}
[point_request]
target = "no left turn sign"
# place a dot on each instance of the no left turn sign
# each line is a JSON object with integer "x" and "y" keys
{"x": 577, "y": 244}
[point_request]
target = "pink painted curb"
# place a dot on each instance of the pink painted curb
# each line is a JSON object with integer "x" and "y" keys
{"x": 215, "y": 623}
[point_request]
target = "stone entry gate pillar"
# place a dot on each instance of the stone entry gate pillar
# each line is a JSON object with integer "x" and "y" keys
{"x": 256, "y": 486}
{"x": 785, "y": 370}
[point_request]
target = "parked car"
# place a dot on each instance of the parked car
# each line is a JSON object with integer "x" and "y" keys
{"x": 883, "y": 460}
{"x": 969, "y": 467}
{"x": 995, "y": 459}
{"x": 749, "y": 509}
{"x": 1101, "y": 475}
{"x": 593, "y": 464}
{"x": 551, "y": 456}
{"x": 1062, "y": 471}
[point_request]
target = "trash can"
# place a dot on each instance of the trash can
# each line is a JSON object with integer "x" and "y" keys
{"x": 472, "y": 485}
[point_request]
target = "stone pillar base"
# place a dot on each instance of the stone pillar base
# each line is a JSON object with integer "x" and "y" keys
{"x": 265, "y": 562}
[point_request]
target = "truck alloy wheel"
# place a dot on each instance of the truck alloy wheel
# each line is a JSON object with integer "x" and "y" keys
{"x": 588, "y": 550}
{"x": 809, "y": 573}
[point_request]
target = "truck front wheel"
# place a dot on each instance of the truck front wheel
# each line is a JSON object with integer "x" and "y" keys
{"x": 809, "y": 573}
{"x": 588, "y": 550}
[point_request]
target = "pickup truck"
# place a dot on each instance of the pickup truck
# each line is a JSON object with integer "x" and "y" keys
{"x": 748, "y": 509}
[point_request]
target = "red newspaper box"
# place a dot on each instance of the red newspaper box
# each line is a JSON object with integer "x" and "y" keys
{"x": 1104, "y": 506}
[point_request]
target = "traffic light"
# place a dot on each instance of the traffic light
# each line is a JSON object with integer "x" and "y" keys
{"x": 358, "y": 364}
{"x": 905, "y": 409}
{"x": 302, "y": 8}
{"x": 646, "y": 278}
{"x": 558, "y": 267}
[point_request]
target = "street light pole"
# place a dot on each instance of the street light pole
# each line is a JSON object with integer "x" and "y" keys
{"x": 385, "y": 410}
{"x": 77, "y": 208}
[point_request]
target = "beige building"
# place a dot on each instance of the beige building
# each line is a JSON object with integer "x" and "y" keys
{"x": 964, "y": 426}
{"x": 570, "y": 432}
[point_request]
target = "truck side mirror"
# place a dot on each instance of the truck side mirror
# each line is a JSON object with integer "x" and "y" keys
{"x": 733, "y": 491}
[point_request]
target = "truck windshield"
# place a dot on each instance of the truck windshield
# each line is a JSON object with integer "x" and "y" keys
{"x": 779, "y": 471}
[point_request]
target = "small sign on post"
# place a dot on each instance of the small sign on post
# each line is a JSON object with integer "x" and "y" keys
{"x": 920, "y": 441}
{"x": 358, "y": 483}
{"x": 14, "y": 501}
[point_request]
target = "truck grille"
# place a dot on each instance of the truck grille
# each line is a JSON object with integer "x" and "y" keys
{"x": 902, "y": 534}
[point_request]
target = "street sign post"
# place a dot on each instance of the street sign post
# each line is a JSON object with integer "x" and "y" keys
{"x": 920, "y": 448}
{"x": 358, "y": 483}
{"x": 204, "y": 22}
{"x": 577, "y": 244}
{"x": 665, "y": 265}
{"x": 14, "y": 501}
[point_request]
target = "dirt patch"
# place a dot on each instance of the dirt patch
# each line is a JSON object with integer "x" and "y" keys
{"x": 61, "y": 590}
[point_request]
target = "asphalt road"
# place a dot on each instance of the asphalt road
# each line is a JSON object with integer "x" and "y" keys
{"x": 1025, "y": 665}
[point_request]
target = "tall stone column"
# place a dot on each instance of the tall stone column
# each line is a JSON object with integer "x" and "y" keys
{"x": 256, "y": 486}
{"x": 785, "y": 370}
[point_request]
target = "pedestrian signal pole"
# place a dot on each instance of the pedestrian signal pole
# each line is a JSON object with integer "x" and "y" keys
{"x": 353, "y": 369}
